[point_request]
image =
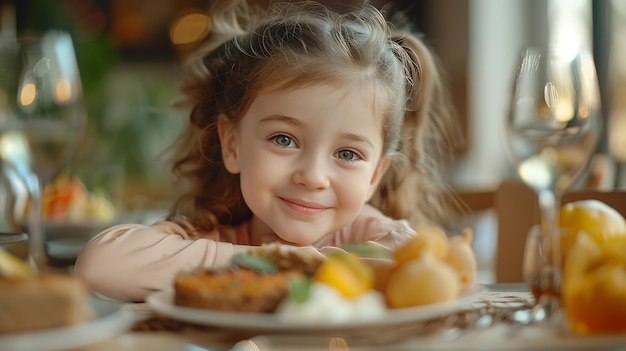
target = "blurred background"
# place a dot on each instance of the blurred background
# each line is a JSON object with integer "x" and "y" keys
{"x": 128, "y": 52}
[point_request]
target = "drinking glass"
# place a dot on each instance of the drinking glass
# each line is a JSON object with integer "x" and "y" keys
{"x": 552, "y": 131}
{"x": 535, "y": 260}
{"x": 41, "y": 118}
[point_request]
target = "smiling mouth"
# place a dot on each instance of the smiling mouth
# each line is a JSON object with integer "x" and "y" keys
{"x": 304, "y": 208}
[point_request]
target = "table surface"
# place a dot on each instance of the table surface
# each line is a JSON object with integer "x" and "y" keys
{"x": 153, "y": 332}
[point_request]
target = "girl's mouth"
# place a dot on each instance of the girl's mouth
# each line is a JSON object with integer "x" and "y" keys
{"x": 304, "y": 207}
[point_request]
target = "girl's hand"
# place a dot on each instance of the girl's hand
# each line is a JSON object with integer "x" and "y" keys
{"x": 330, "y": 250}
{"x": 308, "y": 251}
{"x": 369, "y": 249}
{"x": 366, "y": 250}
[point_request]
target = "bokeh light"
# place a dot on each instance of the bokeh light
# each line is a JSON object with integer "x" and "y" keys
{"x": 190, "y": 28}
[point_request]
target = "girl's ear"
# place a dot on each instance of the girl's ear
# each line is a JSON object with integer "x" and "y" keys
{"x": 380, "y": 171}
{"x": 229, "y": 144}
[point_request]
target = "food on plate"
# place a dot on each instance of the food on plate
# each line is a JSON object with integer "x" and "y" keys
{"x": 68, "y": 199}
{"x": 347, "y": 273}
{"x": 59, "y": 196}
{"x": 382, "y": 270}
{"x": 423, "y": 281}
{"x": 461, "y": 257}
{"x": 44, "y": 301}
{"x": 276, "y": 278}
{"x": 431, "y": 268}
{"x": 243, "y": 290}
{"x": 31, "y": 301}
{"x": 256, "y": 281}
{"x": 327, "y": 304}
{"x": 285, "y": 257}
{"x": 297, "y": 285}
{"x": 428, "y": 239}
{"x": 594, "y": 286}
{"x": 600, "y": 221}
{"x": 95, "y": 208}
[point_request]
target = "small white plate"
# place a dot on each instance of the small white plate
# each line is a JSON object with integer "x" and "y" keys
{"x": 65, "y": 240}
{"x": 65, "y": 248}
{"x": 110, "y": 320}
{"x": 163, "y": 302}
{"x": 74, "y": 229}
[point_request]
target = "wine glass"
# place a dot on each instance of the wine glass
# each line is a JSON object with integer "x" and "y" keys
{"x": 41, "y": 119}
{"x": 552, "y": 130}
{"x": 535, "y": 259}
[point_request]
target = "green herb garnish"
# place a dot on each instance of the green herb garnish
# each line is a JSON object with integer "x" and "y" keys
{"x": 300, "y": 289}
{"x": 370, "y": 250}
{"x": 256, "y": 263}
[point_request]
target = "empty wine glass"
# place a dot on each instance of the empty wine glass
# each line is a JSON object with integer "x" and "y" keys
{"x": 552, "y": 131}
{"x": 41, "y": 118}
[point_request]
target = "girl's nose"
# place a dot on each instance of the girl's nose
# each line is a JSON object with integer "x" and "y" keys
{"x": 312, "y": 172}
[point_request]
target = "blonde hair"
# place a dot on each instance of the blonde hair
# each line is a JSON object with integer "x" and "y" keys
{"x": 292, "y": 45}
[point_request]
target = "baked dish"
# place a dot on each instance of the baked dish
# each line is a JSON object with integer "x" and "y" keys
{"x": 31, "y": 301}
{"x": 256, "y": 281}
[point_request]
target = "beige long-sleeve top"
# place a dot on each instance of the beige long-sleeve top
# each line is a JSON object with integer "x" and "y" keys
{"x": 129, "y": 261}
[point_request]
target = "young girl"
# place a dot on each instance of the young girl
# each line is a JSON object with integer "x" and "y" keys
{"x": 308, "y": 128}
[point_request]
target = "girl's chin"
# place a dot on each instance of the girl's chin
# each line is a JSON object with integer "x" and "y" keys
{"x": 286, "y": 241}
{"x": 272, "y": 237}
{"x": 294, "y": 240}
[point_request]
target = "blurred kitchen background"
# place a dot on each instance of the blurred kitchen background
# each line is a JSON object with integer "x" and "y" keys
{"x": 128, "y": 52}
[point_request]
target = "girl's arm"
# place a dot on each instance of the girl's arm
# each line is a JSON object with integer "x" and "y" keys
{"x": 129, "y": 261}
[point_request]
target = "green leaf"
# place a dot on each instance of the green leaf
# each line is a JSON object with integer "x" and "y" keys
{"x": 368, "y": 250}
{"x": 300, "y": 289}
{"x": 257, "y": 263}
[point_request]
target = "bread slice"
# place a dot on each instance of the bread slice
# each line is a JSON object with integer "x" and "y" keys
{"x": 47, "y": 300}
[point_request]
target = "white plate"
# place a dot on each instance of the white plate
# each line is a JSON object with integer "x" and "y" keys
{"x": 110, "y": 320}
{"x": 85, "y": 229}
{"x": 65, "y": 240}
{"x": 163, "y": 303}
{"x": 65, "y": 248}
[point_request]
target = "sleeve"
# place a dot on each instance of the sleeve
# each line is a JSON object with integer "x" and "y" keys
{"x": 129, "y": 261}
{"x": 371, "y": 225}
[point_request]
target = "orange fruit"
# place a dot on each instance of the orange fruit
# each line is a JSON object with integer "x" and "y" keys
{"x": 600, "y": 221}
{"x": 347, "y": 273}
{"x": 421, "y": 282}
{"x": 461, "y": 257}
{"x": 594, "y": 287}
{"x": 382, "y": 269}
{"x": 428, "y": 239}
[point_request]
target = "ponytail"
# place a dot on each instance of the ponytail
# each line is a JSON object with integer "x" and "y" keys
{"x": 414, "y": 188}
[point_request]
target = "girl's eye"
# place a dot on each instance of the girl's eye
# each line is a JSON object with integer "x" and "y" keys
{"x": 348, "y": 155}
{"x": 283, "y": 140}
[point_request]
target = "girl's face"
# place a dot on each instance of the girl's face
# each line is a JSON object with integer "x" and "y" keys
{"x": 308, "y": 159}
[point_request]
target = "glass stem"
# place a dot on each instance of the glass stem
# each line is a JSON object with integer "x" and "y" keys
{"x": 550, "y": 204}
{"x": 36, "y": 236}
{"x": 551, "y": 274}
